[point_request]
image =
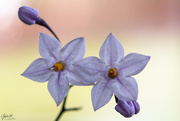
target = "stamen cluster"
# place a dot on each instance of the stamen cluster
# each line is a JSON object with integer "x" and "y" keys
{"x": 60, "y": 66}
{"x": 112, "y": 72}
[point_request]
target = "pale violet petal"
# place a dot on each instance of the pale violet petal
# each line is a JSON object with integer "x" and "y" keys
{"x": 58, "y": 87}
{"x": 111, "y": 51}
{"x": 75, "y": 79}
{"x": 39, "y": 71}
{"x": 49, "y": 47}
{"x": 101, "y": 94}
{"x": 125, "y": 88}
{"x": 133, "y": 64}
{"x": 74, "y": 50}
{"x": 92, "y": 69}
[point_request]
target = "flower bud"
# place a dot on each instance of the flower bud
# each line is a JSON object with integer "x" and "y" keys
{"x": 136, "y": 106}
{"x": 125, "y": 108}
{"x": 28, "y": 15}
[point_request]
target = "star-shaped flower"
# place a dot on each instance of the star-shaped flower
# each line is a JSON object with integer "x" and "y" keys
{"x": 112, "y": 72}
{"x": 57, "y": 65}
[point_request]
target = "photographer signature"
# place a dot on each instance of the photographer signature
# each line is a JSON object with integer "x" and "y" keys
{"x": 6, "y": 116}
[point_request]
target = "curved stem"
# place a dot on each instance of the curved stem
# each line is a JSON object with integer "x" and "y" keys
{"x": 41, "y": 22}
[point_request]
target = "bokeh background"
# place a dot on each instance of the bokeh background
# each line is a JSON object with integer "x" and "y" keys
{"x": 149, "y": 27}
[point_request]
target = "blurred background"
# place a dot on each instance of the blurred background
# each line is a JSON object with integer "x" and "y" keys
{"x": 149, "y": 27}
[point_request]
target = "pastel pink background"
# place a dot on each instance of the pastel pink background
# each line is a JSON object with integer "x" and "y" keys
{"x": 150, "y": 27}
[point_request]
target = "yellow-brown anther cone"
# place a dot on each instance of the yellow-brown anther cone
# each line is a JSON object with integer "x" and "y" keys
{"x": 58, "y": 66}
{"x": 112, "y": 72}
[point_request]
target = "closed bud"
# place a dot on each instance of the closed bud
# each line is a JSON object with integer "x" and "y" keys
{"x": 28, "y": 15}
{"x": 136, "y": 106}
{"x": 125, "y": 108}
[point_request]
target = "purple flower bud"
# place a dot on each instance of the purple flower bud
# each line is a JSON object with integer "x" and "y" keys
{"x": 28, "y": 15}
{"x": 136, "y": 106}
{"x": 125, "y": 108}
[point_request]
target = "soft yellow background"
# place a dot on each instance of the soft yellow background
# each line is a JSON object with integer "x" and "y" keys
{"x": 150, "y": 27}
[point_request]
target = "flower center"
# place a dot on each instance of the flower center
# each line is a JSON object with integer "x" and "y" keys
{"x": 59, "y": 66}
{"x": 112, "y": 72}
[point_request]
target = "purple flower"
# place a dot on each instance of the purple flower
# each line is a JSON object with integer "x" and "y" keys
{"x": 112, "y": 73}
{"x": 57, "y": 65}
{"x": 28, "y": 15}
{"x": 125, "y": 108}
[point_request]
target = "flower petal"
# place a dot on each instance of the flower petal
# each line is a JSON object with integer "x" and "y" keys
{"x": 38, "y": 70}
{"x": 111, "y": 51}
{"x": 75, "y": 79}
{"x": 133, "y": 64}
{"x": 58, "y": 87}
{"x": 74, "y": 50}
{"x": 49, "y": 47}
{"x": 125, "y": 88}
{"x": 101, "y": 94}
{"x": 92, "y": 69}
